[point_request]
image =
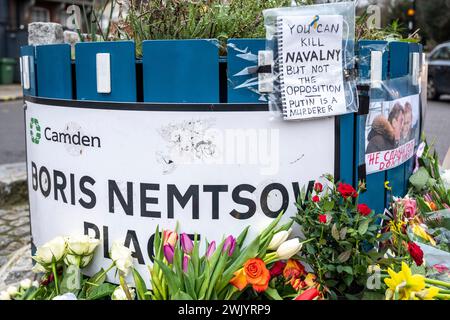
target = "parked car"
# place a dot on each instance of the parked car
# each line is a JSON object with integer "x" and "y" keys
{"x": 439, "y": 71}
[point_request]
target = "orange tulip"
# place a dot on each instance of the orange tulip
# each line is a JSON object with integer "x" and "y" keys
{"x": 239, "y": 280}
{"x": 293, "y": 269}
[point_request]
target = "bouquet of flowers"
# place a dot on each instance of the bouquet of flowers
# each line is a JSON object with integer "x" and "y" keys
{"x": 345, "y": 234}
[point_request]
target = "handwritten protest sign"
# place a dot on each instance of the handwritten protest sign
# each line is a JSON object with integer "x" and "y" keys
{"x": 311, "y": 68}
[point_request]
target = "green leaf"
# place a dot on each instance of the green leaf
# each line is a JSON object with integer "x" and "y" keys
{"x": 343, "y": 233}
{"x": 335, "y": 232}
{"x": 181, "y": 295}
{"x": 348, "y": 279}
{"x": 95, "y": 281}
{"x": 272, "y": 294}
{"x": 102, "y": 291}
{"x": 344, "y": 256}
{"x": 347, "y": 269}
{"x": 362, "y": 229}
{"x": 328, "y": 205}
{"x": 419, "y": 179}
{"x": 141, "y": 289}
{"x": 170, "y": 277}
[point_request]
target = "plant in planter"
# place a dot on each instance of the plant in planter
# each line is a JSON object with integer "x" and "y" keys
{"x": 346, "y": 236}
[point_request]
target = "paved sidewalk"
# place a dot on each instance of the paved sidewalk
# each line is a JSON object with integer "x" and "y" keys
{"x": 15, "y": 252}
{"x": 10, "y": 92}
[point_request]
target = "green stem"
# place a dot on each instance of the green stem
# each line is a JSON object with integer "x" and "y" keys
{"x": 55, "y": 276}
{"x": 443, "y": 296}
{"x": 438, "y": 282}
{"x": 124, "y": 286}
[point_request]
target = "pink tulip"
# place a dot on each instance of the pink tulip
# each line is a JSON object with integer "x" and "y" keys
{"x": 185, "y": 263}
{"x": 169, "y": 253}
{"x": 186, "y": 243}
{"x": 229, "y": 245}
{"x": 211, "y": 249}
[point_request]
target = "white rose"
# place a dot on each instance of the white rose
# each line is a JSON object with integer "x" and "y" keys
{"x": 12, "y": 291}
{"x": 5, "y": 296}
{"x": 66, "y": 296}
{"x": 278, "y": 238}
{"x": 35, "y": 284}
{"x": 52, "y": 251}
{"x": 38, "y": 268}
{"x": 289, "y": 248}
{"x": 25, "y": 284}
{"x": 119, "y": 294}
{"x": 81, "y": 245}
{"x": 121, "y": 256}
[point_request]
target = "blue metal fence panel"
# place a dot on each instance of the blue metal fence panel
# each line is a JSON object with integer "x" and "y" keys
{"x": 54, "y": 76}
{"x": 347, "y": 142}
{"x": 375, "y": 194}
{"x": 30, "y": 51}
{"x": 122, "y": 70}
{"x": 181, "y": 71}
{"x": 398, "y": 67}
{"x": 243, "y": 54}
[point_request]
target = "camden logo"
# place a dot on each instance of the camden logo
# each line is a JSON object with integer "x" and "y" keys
{"x": 35, "y": 130}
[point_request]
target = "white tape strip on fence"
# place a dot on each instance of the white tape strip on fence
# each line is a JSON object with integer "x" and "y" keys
{"x": 265, "y": 80}
{"x": 376, "y": 63}
{"x": 103, "y": 73}
{"x": 415, "y": 68}
{"x": 25, "y": 65}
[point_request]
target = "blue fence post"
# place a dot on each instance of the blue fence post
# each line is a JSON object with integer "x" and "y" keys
{"x": 243, "y": 54}
{"x": 374, "y": 197}
{"x": 409, "y": 165}
{"x": 181, "y": 71}
{"x": 398, "y": 67}
{"x": 122, "y": 70}
{"x": 54, "y": 71}
{"x": 30, "y": 52}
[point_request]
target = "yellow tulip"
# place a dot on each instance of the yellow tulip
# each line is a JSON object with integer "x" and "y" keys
{"x": 419, "y": 231}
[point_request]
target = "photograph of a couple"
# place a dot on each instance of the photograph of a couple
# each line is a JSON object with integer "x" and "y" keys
{"x": 391, "y": 124}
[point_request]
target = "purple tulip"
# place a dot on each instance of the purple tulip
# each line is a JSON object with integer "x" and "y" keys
{"x": 228, "y": 246}
{"x": 185, "y": 263}
{"x": 168, "y": 253}
{"x": 186, "y": 243}
{"x": 211, "y": 249}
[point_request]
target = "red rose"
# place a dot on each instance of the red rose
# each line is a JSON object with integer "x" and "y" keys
{"x": 346, "y": 190}
{"x": 315, "y": 199}
{"x": 277, "y": 269}
{"x": 318, "y": 187}
{"x": 416, "y": 253}
{"x": 364, "y": 209}
{"x": 322, "y": 218}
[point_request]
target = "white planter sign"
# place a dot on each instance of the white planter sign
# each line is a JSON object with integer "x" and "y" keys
{"x": 118, "y": 173}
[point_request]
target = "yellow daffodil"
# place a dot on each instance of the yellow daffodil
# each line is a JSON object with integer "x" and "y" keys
{"x": 427, "y": 294}
{"x": 419, "y": 231}
{"x": 403, "y": 285}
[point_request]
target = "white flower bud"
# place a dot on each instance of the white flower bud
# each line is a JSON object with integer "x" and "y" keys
{"x": 81, "y": 245}
{"x": 278, "y": 238}
{"x": 12, "y": 291}
{"x": 35, "y": 284}
{"x": 119, "y": 293}
{"x": 25, "y": 284}
{"x": 121, "y": 256}
{"x": 5, "y": 296}
{"x": 66, "y": 296}
{"x": 289, "y": 248}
